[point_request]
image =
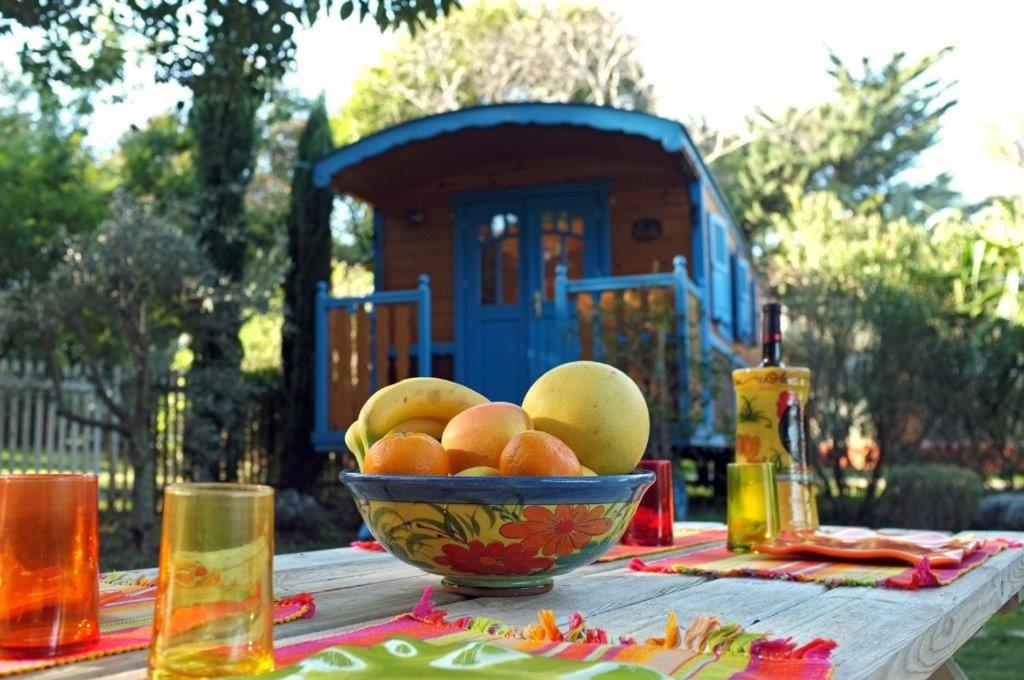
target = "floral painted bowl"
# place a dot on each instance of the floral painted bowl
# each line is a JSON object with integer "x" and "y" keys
{"x": 497, "y": 535}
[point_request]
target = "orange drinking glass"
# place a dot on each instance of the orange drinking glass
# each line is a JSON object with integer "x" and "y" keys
{"x": 49, "y": 556}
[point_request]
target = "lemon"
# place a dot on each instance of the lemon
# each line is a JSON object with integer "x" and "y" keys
{"x": 594, "y": 408}
{"x": 425, "y": 425}
{"x": 479, "y": 471}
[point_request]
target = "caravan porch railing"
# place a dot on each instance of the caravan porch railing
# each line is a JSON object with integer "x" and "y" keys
{"x": 593, "y": 314}
{"x": 361, "y": 345}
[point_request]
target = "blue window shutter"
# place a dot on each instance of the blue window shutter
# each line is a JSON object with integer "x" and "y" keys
{"x": 741, "y": 300}
{"x": 721, "y": 277}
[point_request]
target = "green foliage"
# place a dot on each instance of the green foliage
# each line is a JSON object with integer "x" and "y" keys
{"x": 500, "y": 51}
{"x": 230, "y": 55}
{"x": 51, "y": 188}
{"x": 156, "y": 161}
{"x": 865, "y": 296}
{"x": 992, "y": 265}
{"x": 354, "y": 231}
{"x": 855, "y": 146}
{"x": 199, "y": 44}
{"x": 309, "y": 247}
{"x": 223, "y": 126}
{"x": 120, "y": 296}
{"x": 942, "y": 497}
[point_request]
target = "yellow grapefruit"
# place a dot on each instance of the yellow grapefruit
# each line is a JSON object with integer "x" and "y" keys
{"x": 594, "y": 408}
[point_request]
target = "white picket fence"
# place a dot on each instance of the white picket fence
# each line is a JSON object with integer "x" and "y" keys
{"x": 34, "y": 437}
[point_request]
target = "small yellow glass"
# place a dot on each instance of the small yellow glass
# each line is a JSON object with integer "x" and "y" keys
{"x": 214, "y": 607}
{"x": 752, "y": 505}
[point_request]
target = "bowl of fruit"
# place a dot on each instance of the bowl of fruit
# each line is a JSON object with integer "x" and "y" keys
{"x": 497, "y": 498}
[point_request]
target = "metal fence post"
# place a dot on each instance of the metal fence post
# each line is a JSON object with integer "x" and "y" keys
{"x": 679, "y": 278}
{"x": 423, "y": 361}
{"x": 562, "y": 310}
{"x": 320, "y": 359}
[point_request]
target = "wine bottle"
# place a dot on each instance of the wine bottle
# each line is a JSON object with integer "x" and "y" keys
{"x": 771, "y": 336}
{"x": 771, "y": 423}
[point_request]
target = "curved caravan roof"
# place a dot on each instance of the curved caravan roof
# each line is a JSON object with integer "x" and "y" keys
{"x": 670, "y": 135}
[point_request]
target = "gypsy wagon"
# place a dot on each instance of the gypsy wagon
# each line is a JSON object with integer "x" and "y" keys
{"x": 514, "y": 237}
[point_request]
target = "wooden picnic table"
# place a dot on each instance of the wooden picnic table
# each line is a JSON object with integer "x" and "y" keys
{"x": 880, "y": 633}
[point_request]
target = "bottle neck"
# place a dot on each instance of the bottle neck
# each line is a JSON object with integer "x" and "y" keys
{"x": 771, "y": 339}
{"x": 771, "y": 350}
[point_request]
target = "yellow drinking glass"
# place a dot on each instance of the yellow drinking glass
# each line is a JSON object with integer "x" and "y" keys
{"x": 752, "y": 505}
{"x": 214, "y": 607}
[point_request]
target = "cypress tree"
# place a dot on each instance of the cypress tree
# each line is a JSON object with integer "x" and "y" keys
{"x": 223, "y": 122}
{"x": 309, "y": 249}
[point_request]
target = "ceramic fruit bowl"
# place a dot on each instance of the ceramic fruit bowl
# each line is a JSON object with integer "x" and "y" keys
{"x": 497, "y": 535}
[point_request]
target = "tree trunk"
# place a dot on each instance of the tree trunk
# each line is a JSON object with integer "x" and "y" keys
{"x": 142, "y": 524}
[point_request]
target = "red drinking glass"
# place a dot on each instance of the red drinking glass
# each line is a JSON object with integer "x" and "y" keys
{"x": 652, "y": 523}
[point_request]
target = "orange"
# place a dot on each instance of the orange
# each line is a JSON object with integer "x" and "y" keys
{"x": 406, "y": 453}
{"x": 476, "y": 437}
{"x": 538, "y": 454}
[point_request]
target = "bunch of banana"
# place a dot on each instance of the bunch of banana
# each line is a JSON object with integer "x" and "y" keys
{"x": 411, "y": 405}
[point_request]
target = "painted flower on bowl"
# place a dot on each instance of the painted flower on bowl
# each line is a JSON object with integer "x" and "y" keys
{"x": 493, "y": 559}
{"x": 568, "y": 528}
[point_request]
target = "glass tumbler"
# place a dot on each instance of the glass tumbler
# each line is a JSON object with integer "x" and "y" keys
{"x": 752, "y": 506}
{"x": 49, "y": 556}
{"x": 214, "y": 608}
{"x": 652, "y": 522}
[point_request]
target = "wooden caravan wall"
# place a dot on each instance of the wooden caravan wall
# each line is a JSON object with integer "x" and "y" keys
{"x": 668, "y": 203}
{"x": 654, "y": 186}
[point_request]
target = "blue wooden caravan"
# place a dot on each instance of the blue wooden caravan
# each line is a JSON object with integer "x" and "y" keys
{"x": 511, "y": 238}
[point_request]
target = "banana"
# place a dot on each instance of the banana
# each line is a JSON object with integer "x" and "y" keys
{"x": 432, "y": 398}
{"x": 353, "y": 440}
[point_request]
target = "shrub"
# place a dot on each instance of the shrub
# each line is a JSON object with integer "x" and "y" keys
{"x": 841, "y": 511}
{"x": 943, "y": 497}
{"x": 1001, "y": 511}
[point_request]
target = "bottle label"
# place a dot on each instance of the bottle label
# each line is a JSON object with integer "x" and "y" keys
{"x": 771, "y": 419}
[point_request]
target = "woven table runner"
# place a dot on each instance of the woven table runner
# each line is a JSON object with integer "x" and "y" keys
{"x": 720, "y": 561}
{"x": 704, "y": 649}
{"x": 126, "y": 621}
{"x": 683, "y": 538}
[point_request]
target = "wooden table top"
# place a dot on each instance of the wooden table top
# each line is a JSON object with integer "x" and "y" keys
{"x": 880, "y": 633}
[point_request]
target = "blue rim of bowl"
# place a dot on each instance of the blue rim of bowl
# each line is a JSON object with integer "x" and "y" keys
{"x": 499, "y": 490}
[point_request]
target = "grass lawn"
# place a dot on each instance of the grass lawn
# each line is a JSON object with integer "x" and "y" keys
{"x": 997, "y": 651}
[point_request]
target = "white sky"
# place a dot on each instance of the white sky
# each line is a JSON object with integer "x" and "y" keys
{"x": 723, "y": 58}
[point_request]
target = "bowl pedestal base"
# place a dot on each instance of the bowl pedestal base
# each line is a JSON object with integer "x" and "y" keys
{"x": 479, "y": 588}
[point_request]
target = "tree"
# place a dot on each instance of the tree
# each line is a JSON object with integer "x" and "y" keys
{"x": 121, "y": 295}
{"x": 229, "y": 53}
{"x": 155, "y": 162}
{"x": 865, "y": 295}
{"x": 500, "y": 51}
{"x": 51, "y": 188}
{"x": 855, "y": 146}
{"x": 309, "y": 248}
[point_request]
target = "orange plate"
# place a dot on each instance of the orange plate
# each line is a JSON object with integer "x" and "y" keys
{"x": 861, "y": 545}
